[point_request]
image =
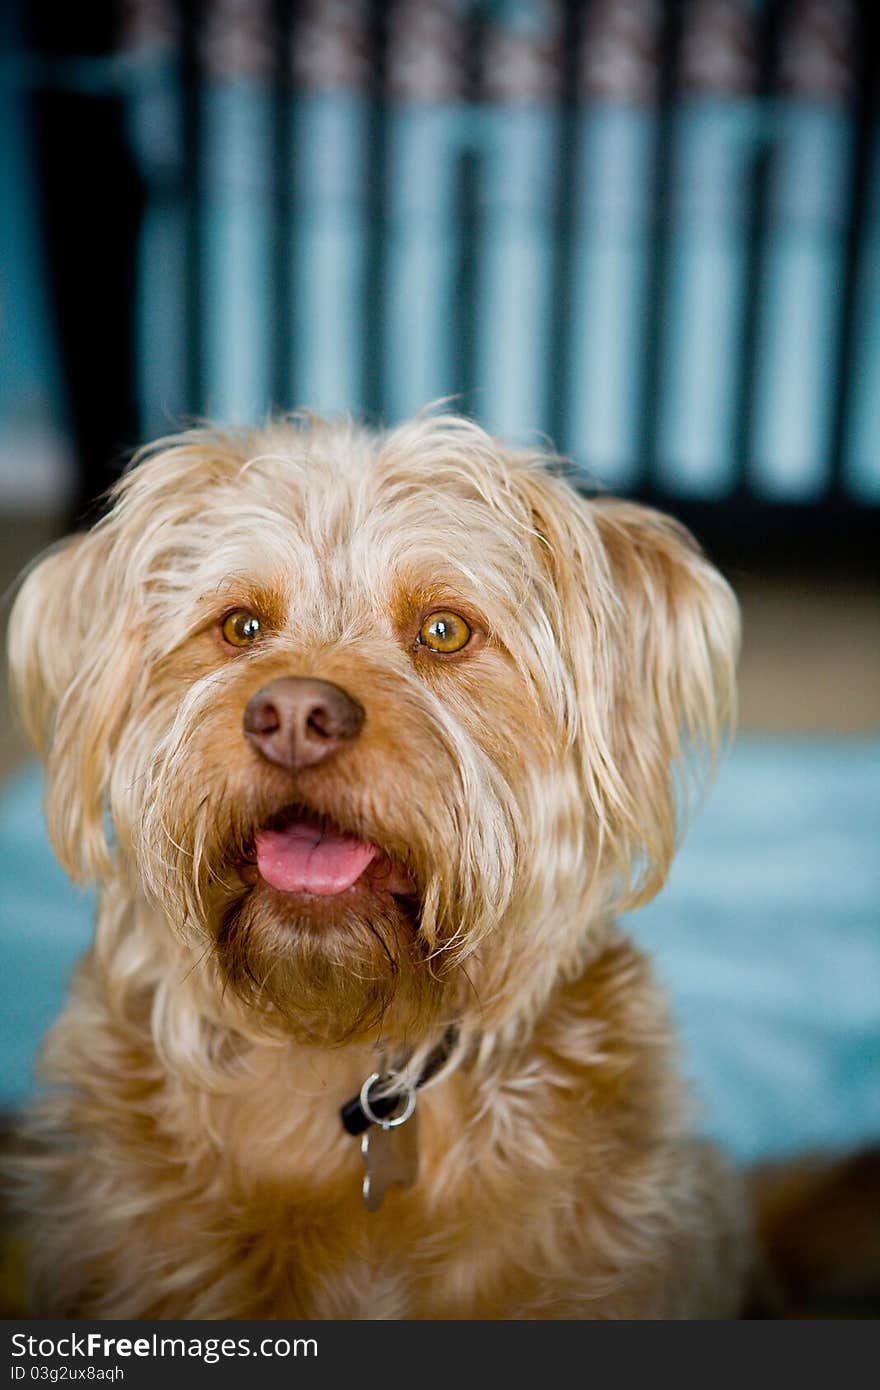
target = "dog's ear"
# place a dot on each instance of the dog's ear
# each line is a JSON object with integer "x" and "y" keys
{"x": 649, "y": 631}
{"x": 72, "y": 662}
{"x": 676, "y": 632}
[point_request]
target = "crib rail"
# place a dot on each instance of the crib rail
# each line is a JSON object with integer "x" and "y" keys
{"x": 665, "y": 261}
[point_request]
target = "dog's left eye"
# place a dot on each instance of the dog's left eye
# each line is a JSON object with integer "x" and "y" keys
{"x": 242, "y": 628}
{"x": 444, "y": 633}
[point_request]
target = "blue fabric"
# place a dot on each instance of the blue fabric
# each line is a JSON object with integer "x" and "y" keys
{"x": 45, "y": 925}
{"x": 767, "y": 937}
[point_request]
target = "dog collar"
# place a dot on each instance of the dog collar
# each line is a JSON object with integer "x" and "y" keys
{"x": 361, "y": 1111}
{"x": 387, "y": 1124}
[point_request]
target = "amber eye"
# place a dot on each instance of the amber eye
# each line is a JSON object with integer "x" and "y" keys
{"x": 444, "y": 632}
{"x": 242, "y": 628}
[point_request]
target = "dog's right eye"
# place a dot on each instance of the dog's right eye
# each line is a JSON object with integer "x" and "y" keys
{"x": 444, "y": 633}
{"x": 241, "y": 628}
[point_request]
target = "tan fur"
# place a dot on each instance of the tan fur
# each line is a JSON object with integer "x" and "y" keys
{"x": 188, "y": 1159}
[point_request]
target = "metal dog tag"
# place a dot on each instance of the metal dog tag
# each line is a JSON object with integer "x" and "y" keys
{"x": 391, "y": 1155}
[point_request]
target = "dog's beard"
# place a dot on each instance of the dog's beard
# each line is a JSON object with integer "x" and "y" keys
{"x": 330, "y": 971}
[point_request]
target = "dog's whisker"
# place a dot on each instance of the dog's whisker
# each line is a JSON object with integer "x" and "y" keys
{"x": 210, "y": 948}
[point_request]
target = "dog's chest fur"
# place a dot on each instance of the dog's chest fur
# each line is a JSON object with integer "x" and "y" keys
{"x": 543, "y": 1170}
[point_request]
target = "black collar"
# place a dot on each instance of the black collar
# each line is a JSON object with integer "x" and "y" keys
{"x": 355, "y": 1119}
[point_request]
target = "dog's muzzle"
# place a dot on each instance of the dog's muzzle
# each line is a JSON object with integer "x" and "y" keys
{"x": 297, "y": 722}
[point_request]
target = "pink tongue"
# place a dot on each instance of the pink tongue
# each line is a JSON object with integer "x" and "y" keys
{"x": 301, "y": 859}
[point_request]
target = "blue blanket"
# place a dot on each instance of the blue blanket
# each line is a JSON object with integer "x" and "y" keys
{"x": 767, "y": 937}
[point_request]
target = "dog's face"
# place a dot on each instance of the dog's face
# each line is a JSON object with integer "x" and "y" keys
{"x": 382, "y": 722}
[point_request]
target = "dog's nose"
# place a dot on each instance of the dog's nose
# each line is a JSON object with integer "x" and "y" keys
{"x": 296, "y": 722}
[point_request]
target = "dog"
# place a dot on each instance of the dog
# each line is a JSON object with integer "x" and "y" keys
{"x": 368, "y": 737}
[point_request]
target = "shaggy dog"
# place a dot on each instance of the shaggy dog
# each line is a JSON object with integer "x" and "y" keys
{"x": 367, "y": 738}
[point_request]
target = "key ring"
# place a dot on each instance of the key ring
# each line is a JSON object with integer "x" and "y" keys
{"x": 390, "y": 1121}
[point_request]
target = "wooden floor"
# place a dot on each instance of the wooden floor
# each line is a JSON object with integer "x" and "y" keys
{"x": 21, "y": 538}
{"x": 811, "y": 654}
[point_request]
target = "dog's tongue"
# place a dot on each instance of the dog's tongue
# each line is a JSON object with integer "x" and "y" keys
{"x": 302, "y": 859}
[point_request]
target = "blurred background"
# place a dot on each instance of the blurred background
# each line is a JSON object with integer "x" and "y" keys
{"x": 648, "y": 232}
